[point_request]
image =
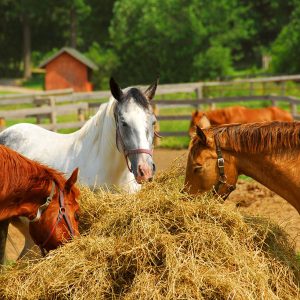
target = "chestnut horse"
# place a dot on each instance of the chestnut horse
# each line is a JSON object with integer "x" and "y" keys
{"x": 238, "y": 114}
{"x": 269, "y": 152}
{"x": 42, "y": 195}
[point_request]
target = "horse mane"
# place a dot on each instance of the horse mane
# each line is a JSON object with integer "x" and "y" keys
{"x": 27, "y": 174}
{"x": 259, "y": 137}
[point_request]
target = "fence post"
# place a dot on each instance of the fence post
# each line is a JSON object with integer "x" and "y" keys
{"x": 53, "y": 113}
{"x": 156, "y": 126}
{"x": 293, "y": 107}
{"x": 199, "y": 96}
{"x": 38, "y": 103}
{"x": 81, "y": 115}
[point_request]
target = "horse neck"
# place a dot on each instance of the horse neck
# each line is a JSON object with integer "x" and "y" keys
{"x": 24, "y": 197}
{"x": 277, "y": 171}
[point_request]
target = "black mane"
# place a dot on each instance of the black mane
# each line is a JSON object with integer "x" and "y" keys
{"x": 138, "y": 97}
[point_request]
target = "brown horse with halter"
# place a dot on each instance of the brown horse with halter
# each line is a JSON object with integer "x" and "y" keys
{"x": 269, "y": 152}
{"x": 42, "y": 195}
{"x": 237, "y": 114}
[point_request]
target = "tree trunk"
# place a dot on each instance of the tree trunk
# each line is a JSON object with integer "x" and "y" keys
{"x": 73, "y": 27}
{"x": 26, "y": 46}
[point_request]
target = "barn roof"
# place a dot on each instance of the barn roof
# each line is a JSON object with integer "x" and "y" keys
{"x": 73, "y": 52}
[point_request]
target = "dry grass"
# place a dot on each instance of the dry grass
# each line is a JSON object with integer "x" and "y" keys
{"x": 161, "y": 244}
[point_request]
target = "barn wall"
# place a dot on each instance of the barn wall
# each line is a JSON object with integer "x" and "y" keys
{"x": 67, "y": 72}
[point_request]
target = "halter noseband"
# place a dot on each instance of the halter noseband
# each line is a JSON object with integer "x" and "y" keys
{"x": 222, "y": 178}
{"x": 125, "y": 151}
{"x": 61, "y": 215}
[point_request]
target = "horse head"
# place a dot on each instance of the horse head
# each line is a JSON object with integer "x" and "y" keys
{"x": 208, "y": 167}
{"x": 57, "y": 219}
{"x": 198, "y": 119}
{"x": 135, "y": 122}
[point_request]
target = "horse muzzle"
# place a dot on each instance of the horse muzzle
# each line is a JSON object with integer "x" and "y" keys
{"x": 144, "y": 173}
{"x": 143, "y": 168}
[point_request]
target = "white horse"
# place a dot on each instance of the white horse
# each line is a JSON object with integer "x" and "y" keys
{"x": 113, "y": 148}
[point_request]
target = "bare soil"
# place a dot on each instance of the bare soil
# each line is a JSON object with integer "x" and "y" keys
{"x": 250, "y": 197}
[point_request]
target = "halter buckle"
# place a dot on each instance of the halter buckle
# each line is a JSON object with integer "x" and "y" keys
{"x": 221, "y": 162}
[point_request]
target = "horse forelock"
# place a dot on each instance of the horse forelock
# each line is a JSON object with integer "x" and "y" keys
{"x": 138, "y": 97}
{"x": 259, "y": 137}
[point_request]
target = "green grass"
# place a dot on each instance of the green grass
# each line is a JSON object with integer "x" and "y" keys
{"x": 7, "y": 92}
{"x": 35, "y": 82}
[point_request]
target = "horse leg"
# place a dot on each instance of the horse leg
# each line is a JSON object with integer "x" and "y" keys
{"x": 3, "y": 237}
{"x": 22, "y": 225}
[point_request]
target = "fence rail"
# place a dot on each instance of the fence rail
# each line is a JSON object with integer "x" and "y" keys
{"x": 51, "y": 104}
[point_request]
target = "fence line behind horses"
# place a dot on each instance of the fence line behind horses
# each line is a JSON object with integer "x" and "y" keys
{"x": 45, "y": 108}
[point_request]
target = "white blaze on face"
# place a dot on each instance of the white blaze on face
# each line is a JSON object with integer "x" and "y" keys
{"x": 136, "y": 118}
{"x": 134, "y": 129}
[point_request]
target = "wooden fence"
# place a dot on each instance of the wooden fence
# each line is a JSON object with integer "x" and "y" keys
{"x": 51, "y": 104}
{"x": 292, "y": 101}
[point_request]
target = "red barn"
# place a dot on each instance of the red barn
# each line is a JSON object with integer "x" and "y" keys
{"x": 68, "y": 68}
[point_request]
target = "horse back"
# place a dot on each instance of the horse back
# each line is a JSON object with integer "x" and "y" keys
{"x": 279, "y": 114}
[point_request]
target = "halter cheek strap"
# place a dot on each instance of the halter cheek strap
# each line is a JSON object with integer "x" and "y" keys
{"x": 61, "y": 215}
{"x": 222, "y": 178}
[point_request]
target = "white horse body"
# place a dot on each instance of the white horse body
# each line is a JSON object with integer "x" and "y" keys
{"x": 82, "y": 149}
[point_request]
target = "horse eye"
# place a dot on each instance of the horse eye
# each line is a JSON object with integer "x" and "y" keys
{"x": 197, "y": 167}
{"x": 124, "y": 124}
{"x": 76, "y": 216}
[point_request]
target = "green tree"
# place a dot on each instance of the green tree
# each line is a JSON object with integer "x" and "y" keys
{"x": 286, "y": 47}
{"x": 168, "y": 37}
{"x": 267, "y": 18}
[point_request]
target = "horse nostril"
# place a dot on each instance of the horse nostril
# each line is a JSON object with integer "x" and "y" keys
{"x": 141, "y": 171}
{"x": 154, "y": 167}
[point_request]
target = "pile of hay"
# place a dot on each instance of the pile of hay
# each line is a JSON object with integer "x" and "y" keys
{"x": 161, "y": 244}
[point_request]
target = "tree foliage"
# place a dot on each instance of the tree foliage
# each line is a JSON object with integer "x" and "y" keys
{"x": 169, "y": 37}
{"x": 286, "y": 47}
{"x": 136, "y": 40}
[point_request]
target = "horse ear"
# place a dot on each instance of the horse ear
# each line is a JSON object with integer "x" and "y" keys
{"x": 115, "y": 89}
{"x": 195, "y": 113}
{"x": 150, "y": 91}
{"x": 72, "y": 180}
{"x": 201, "y": 135}
{"x": 204, "y": 122}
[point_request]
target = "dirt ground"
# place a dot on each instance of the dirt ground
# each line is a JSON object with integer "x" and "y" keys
{"x": 249, "y": 197}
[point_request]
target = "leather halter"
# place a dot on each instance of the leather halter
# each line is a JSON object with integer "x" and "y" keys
{"x": 222, "y": 178}
{"x": 125, "y": 151}
{"x": 61, "y": 215}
